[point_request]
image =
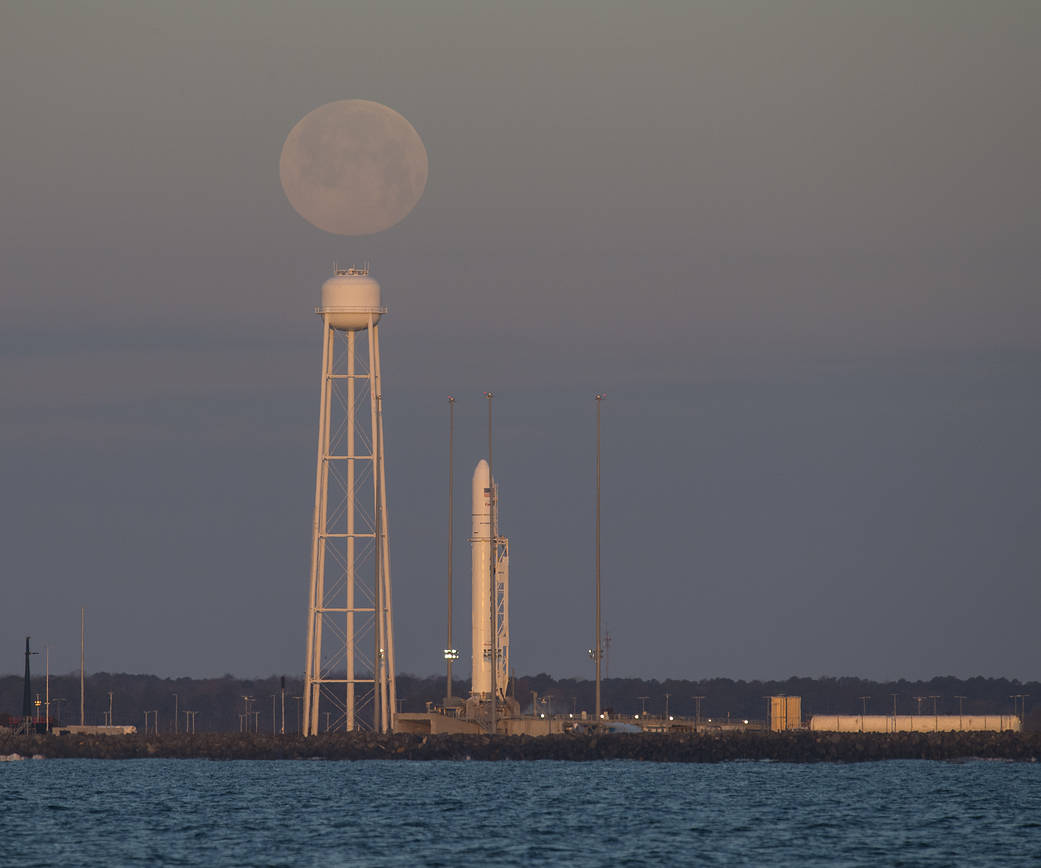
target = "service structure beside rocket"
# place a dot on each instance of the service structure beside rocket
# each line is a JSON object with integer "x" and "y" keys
{"x": 486, "y": 543}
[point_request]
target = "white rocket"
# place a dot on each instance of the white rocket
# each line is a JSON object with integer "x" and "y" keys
{"x": 485, "y": 541}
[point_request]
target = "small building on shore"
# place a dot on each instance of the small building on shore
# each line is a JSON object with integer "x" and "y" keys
{"x": 76, "y": 729}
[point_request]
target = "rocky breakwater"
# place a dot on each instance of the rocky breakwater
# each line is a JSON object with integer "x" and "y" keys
{"x": 799, "y": 747}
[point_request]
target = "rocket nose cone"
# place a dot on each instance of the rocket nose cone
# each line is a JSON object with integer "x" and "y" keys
{"x": 481, "y": 484}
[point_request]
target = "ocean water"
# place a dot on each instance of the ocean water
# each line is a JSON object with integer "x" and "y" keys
{"x": 198, "y": 812}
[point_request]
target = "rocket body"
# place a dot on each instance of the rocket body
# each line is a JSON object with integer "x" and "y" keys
{"x": 481, "y": 548}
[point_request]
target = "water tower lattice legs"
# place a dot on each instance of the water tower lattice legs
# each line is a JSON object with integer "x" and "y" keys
{"x": 349, "y": 678}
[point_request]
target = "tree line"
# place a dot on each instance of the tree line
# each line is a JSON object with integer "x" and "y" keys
{"x": 229, "y": 703}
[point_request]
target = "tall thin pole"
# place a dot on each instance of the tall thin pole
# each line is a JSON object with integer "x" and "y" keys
{"x": 27, "y": 696}
{"x": 83, "y": 647}
{"x": 449, "y": 647}
{"x": 47, "y": 686}
{"x": 492, "y": 553}
{"x": 597, "y": 647}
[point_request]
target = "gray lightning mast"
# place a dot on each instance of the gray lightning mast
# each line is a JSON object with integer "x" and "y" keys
{"x": 350, "y": 638}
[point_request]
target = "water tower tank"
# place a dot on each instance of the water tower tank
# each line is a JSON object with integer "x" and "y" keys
{"x": 349, "y": 297}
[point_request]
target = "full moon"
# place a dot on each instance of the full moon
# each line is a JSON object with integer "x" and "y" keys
{"x": 353, "y": 167}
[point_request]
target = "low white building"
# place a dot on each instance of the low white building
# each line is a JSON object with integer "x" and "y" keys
{"x": 76, "y": 729}
{"x": 915, "y": 723}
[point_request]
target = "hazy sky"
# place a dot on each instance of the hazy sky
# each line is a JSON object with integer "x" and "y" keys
{"x": 796, "y": 243}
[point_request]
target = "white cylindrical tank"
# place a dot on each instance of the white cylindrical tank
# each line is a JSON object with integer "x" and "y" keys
{"x": 349, "y": 297}
{"x": 481, "y": 549}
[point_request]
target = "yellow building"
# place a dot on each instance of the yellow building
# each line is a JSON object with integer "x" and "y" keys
{"x": 785, "y": 713}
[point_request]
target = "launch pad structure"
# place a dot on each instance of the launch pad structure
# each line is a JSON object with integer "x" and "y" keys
{"x": 350, "y": 638}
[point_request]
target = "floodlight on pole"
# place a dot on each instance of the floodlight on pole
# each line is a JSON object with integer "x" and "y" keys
{"x": 598, "y": 648}
{"x": 450, "y": 651}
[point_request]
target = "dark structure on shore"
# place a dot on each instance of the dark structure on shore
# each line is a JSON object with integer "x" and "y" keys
{"x": 27, "y": 697}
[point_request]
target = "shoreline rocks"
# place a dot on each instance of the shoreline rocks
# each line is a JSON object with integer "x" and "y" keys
{"x": 798, "y": 747}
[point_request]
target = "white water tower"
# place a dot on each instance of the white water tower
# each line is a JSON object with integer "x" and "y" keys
{"x": 349, "y": 681}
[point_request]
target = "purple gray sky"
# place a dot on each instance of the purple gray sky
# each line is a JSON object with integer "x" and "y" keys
{"x": 797, "y": 243}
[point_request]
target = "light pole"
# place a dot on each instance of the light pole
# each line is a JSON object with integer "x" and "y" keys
{"x": 597, "y": 645}
{"x": 863, "y": 710}
{"x": 643, "y": 705}
{"x": 47, "y": 687}
{"x": 450, "y": 652}
{"x": 667, "y": 695}
{"x": 83, "y": 660}
{"x": 109, "y": 715}
{"x": 176, "y": 716}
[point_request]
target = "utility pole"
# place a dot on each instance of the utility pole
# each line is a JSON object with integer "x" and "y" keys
{"x": 961, "y": 712}
{"x": 697, "y": 711}
{"x": 83, "y": 647}
{"x": 176, "y": 717}
{"x": 47, "y": 686}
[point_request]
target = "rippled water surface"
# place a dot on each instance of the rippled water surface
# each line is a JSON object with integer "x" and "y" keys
{"x": 196, "y": 812}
